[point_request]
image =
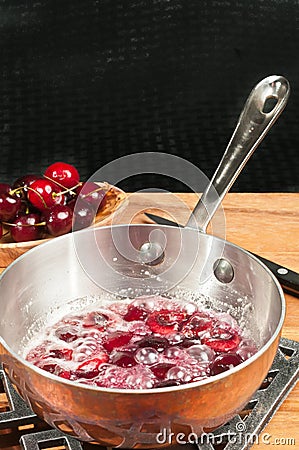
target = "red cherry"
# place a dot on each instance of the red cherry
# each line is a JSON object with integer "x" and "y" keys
{"x": 22, "y": 183}
{"x": 135, "y": 313}
{"x": 97, "y": 320}
{"x": 66, "y": 333}
{"x": 116, "y": 340}
{"x": 225, "y": 362}
{"x": 90, "y": 368}
{"x": 44, "y": 194}
{"x": 92, "y": 194}
{"x": 160, "y": 370}
{"x": 60, "y": 353}
{"x": 165, "y": 321}
{"x": 9, "y": 207}
{"x": 156, "y": 342}
{"x": 196, "y": 324}
{"x": 63, "y": 373}
{"x": 1, "y": 230}
{"x": 51, "y": 368}
{"x": 124, "y": 359}
{"x": 59, "y": 220}
{"x": 221, "y": 345}
{"x": 83, "y": 214}
{"x": 4, "y": 188}
{"x": 24, "y": 228}
{"x": 63, "y": 173}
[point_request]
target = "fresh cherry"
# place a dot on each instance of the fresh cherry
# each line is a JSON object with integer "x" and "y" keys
{"x": 5, "y": 188}
{"x": 83, "y": 214}
{"x": 44, "y": 194}
{"x": 59, "y": 219}
{"x": 24, "y": 228}
{"x": 92, "y": 194}
{"x": 63, "y": 174}
{"x": 9, "y": 206}
{"x": 20, "y": 186}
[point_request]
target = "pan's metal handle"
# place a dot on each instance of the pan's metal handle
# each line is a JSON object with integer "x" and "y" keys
{"x": 263, "y": 106}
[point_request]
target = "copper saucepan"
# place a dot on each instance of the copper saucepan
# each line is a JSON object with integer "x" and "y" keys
{"x": 48, "y": 279}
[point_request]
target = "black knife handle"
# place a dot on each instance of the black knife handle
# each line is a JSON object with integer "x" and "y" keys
{"x": 288, "y": 279}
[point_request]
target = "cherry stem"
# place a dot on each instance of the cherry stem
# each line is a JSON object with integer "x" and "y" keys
{"x": 39, "y": 224}
{"x": 39, "y": 195}
{"x": 65, "y": 191}
{"x": 16, "y": 190}
{"x": 91, "y": 192}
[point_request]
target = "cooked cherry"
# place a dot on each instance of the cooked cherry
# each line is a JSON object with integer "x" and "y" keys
{"x": 90, "y": 368}
{"x": 196, "y": 324}
{"x": 60, "y": 353}
{"x": 156, "y": 342}
{"x": 160, "y": 370}
{"x": 96, "y": 319}
{"x": 135, "y": 313}
{"x": 63, "y": 173}
{"x": 124, "y": 359}
{"x": 116, "y": 340}
{"x": 222, "y": 345}
{"x": 225, "y": 362}
{"x": 66, "y": 333}
{"x": 165, "y": 321}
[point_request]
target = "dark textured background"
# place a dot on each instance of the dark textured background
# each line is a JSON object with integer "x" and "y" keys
{"x": 89, "y": 81}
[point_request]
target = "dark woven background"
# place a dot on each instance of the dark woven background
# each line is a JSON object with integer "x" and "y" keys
{"x": 89, "y": 81}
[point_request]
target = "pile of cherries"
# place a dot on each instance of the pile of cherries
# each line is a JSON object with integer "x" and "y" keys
{"x": 53, "y": 203}
{"x": 146, "y": 343}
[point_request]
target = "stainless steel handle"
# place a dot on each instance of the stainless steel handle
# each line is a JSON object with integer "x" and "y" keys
{"x": 253, "y": 124}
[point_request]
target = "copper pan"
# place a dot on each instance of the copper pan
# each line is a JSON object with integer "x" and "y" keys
{"x": 49, "y": 278}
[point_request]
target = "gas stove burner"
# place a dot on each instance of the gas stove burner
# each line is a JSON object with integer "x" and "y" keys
{"x": 20, "y": 426}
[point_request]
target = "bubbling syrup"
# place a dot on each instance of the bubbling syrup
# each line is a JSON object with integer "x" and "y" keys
{"x": 146, "y": 343}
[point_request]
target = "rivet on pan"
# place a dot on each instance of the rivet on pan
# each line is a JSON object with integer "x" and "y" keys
{"x": 223, "y": 270}
{"x": 151, "y": 253}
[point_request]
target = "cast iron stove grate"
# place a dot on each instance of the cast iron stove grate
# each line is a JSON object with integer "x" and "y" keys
{"x": 238, "y": 434}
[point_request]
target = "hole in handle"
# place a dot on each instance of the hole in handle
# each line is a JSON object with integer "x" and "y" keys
{"x": 269, "y": 104}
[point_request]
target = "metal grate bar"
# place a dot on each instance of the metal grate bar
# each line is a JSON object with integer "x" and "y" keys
{"x": 53, "y": 438}
{"x": 19, "y": 413}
